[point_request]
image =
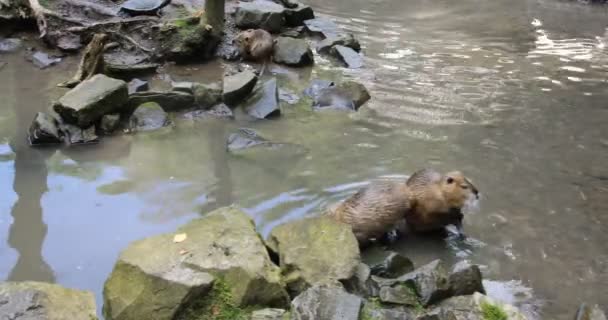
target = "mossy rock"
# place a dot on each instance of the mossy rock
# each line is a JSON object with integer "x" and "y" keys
{"x": 186, "y": 40}
{"x": 480, "y": 307}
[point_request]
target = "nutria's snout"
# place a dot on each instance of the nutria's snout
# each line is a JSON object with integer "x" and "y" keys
{"x": 476, "y": 193}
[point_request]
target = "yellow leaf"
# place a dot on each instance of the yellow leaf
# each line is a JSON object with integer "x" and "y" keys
{"x": 180, "y": 237}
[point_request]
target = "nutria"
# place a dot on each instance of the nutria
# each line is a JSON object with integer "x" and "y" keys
{"x": 428, "y": 201}
{"x": 255, "y": 44}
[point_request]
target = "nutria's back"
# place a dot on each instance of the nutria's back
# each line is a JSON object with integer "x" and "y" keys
{"x": 255, "y": 44}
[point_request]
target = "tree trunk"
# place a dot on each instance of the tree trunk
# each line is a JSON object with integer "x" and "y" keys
{"x": 214, "y": 12}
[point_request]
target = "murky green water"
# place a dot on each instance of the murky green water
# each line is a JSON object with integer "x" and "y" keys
{"x": 513, "y": 93}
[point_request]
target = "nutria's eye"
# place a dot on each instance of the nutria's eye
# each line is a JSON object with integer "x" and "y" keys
{"x": 450, "y": 180}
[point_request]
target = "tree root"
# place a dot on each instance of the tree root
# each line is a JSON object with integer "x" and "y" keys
{"x": 93, "y": 6}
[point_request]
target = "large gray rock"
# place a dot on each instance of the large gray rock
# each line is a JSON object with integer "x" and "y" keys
{"x": 260, "y": 14}
{"x": 269, "y": 314}
{"x": 238, "y": 86}
{"x": 91, "y": 99}
{"x": 296, "y": 16}
{"x": 323, "y": 27}
{"x": 477, "y": 307}
{"x": 44, "y": 130}
{"x": 315, "y": 251}
{"x": 348, "y": 56}
{"x": 393, "y": 266}
{"x": 155, "y": 278}
{"x": 264, "y": 103}
{"x": 349, "y": 95}
{"x": 590, "y": 312}
{"x": 207, "y": 95}
{"x": 170, "y": 101}
{"x": 292, "y": 52}
{"x": 327, "y": 303}
{"x": 44, "y": 301}
{"x": 465, "y": 279}
{"x": 147, "y": 117}
{"x": 340, "y": 39}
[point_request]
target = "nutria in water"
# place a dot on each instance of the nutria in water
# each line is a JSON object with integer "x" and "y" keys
{"x": 428, "y": 201}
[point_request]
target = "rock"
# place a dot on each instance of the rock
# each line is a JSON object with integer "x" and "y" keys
{"x": 399, "y": 294}
{"x": 187, "y": 39}
{"x": 268, "y": 314}
{"x": 296, "y": 16}
{"x": 44, "y": 301}
{"x": 347, "y": 95}
{"x": 376, "y": 311}
{"x": 69, "y": 42}
{"x": 10, "y": 45}
{"x": 155, "y": 277}
{"x": 129, "y": 70}
{"x": 316, "y": 86}
{"x": 393, "y": 266}
{"x": 91, "y": 99}
{"x": 327, "y": 303}
{"x": 44, "y": 130}
{"x": 323, "y": 27}
{"x": 247, "y": 142}
{"x": 220, "y": 111}
{"x": 292, "y": 52}
{"x": 288, "y": 3}
{"x": 465, "y": 279}
{"x": 260, "y": 14}
{"x": 43, "y": 60}
{"x": 138, "y": 85}
{"x": 183, "y": 86}
{"x": 207, "y": 95}
{"x": 590, "y": 312}
{"x": 348, "y": 56}
{"x": 170, "y": 101}
{"x": 288, "y": 96}
{"x": 147, "y": 117}
{"x": 340, "y": 39}
{"x": 477, "y": 307}
{"x": 76, "y": 135}
{"x": 431, "y": 282}
{"x": 293, "y": 32}
{"x": 109, "y": 123}
{"x": 315, "y": 251}
{"x": 439, "y": 314}
{"x": 264, "y": 103}
{"x": 238, "y": 86}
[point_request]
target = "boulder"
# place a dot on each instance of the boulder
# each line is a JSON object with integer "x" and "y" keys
{"x": 400, "y": 294}
{"x": 157, "y": 277}
{"x": 43, "y": 60}
{"x": 44, "y": 301}
{"x": 170, "y": 101}
{"x": 316, "y": 86}
{"x": 264, "y": 103}
{"x": 269, "y": 314}
{"x": 238, "y": 86}
{"x": 109, "y": 123}
{"x": 91, "y": 99}
{"x": 220, "y": 111}
{"x": 590, "y": 312}
{"x": 147, "y": 117}
{"x": 247, "y": 142}
{"x": 76, "y": 135}
{"x": 207, "y": 95}
{"x": 323, "y": 27}
{"x": 296, "y": 16}
{"x": 10, "y": 45}
{"x": 393, "y": 266}
{"x": 327, "y": 303}
{"x": 347, "y": 95}
{"x": 292, "y": 52}
{"x": 465, "y": 279}
{"x": 44, "y": 130}
{"x": 260, "y": 14}
{"x": 315, "y": 251}
{"x": 348, "y": 56}
{"x": 138, "y": 85}
{"x": 477, "y": 307}
{"x": 340, "y": 39}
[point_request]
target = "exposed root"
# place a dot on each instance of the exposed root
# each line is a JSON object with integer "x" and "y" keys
{"x": 132, "y": 41}
{"x": 93, "y": 6}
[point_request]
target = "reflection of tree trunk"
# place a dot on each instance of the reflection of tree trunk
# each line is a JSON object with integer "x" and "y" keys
{"x": 214, "y": 11}
{"x": 216, "y": 135}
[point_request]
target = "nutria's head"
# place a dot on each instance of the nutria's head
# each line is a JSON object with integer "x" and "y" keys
{"x": 458, "y": 191}
{"x": 244, "y": 37}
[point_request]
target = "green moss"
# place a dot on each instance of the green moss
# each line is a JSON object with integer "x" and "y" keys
{"x": 217, "y": 305}
{"x": 492, "y": 312}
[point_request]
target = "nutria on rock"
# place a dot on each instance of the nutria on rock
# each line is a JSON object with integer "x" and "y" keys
{"x": 428, "y": 201}
{"x": 255, "y": 44}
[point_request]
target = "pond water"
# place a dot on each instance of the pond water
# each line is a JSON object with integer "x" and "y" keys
{"x": 513, "y": 93}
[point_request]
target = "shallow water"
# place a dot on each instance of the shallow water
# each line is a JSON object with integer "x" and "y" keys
{"x": 513, "y": 93}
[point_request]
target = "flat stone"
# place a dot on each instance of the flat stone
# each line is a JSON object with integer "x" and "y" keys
{"x": 292, "y": 52}
{"x": 341, "y": 39}
{"x": 264, "y": 103}
{"x": 44, "y": 130}
{"x": 207, "y": 95}
{"x": 465, "y": 279}
{"x": 315, "y": 251}
{"x": 327, "y": 303}
{"x": 348, "y": 56}
{"x": 43, "y": 60}
{"x": 268, "y": 314}
{"x": 297, "y": 15}
{"x": 138, "y": 85}
{"x": 347, "y": 95}
{"x": 322, "y": 26}
{"x": 44, "y": 301}
{"x": 238, "y": 86}
{"x": 393, "y": 266}
{"x": 147, "y": 117}
{"x": 10, "y": 45}
{"x": 91, "y": 99}
{"x": 170, "y": 101}
{"x": 260, "y": 14}
{"x": 109, "y": 123}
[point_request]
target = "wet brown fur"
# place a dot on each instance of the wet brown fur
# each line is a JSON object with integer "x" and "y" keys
{"x": 255, "y": 44}
{"x": 428, "y": 201}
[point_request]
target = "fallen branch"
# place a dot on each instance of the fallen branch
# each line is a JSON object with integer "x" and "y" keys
{"x": 132, "y": 41}
{"x": 119, "y": 22}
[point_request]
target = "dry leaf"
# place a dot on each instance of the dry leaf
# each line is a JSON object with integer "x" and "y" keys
{"x": 180, "y": 237}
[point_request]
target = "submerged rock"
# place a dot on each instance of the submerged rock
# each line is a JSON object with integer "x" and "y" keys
{"x": 238, "y": 86}
{"x": 465, "y": 279}
{"x": 260, "y": 14}
{"x": 295, "y": 16}
{"x": 269, "y": 314}
{"x": 147, "y": 117}
{"x": 247, "y": 141}
{"x": 264, "y": 103}
{"x": 170, "y": 101}
{"x": 316, "y": 86}
{"x": 44, "y": 301}
{"x": 220, "y": 111}
{"x": 138, "y": 85}
{"x": 207, "y": 95}
{"x": 10, "y": 45}
{"x": 76, "y": 135}
{"x": 44, "y": 130}
{"x": 327, "y": 303}
{"x": 322, "y": 26}
{"x": 292, "y": 52}
{"x": 155, "y": 278}
{"x": 91, "y": 99}
{"x": 590, "y": 312}
{"x": 109, "y": 123}
{"x": 347, "y": 95}
{"x": 477, "y": 307}
{"x": 393, "y": 266}
{"x": 288, "y": 96}
{"x": 348, "y": 56}
{"x": 43, "y": 60}
{"x": 315, "y": 251}
{"x": 341, "y": 39}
